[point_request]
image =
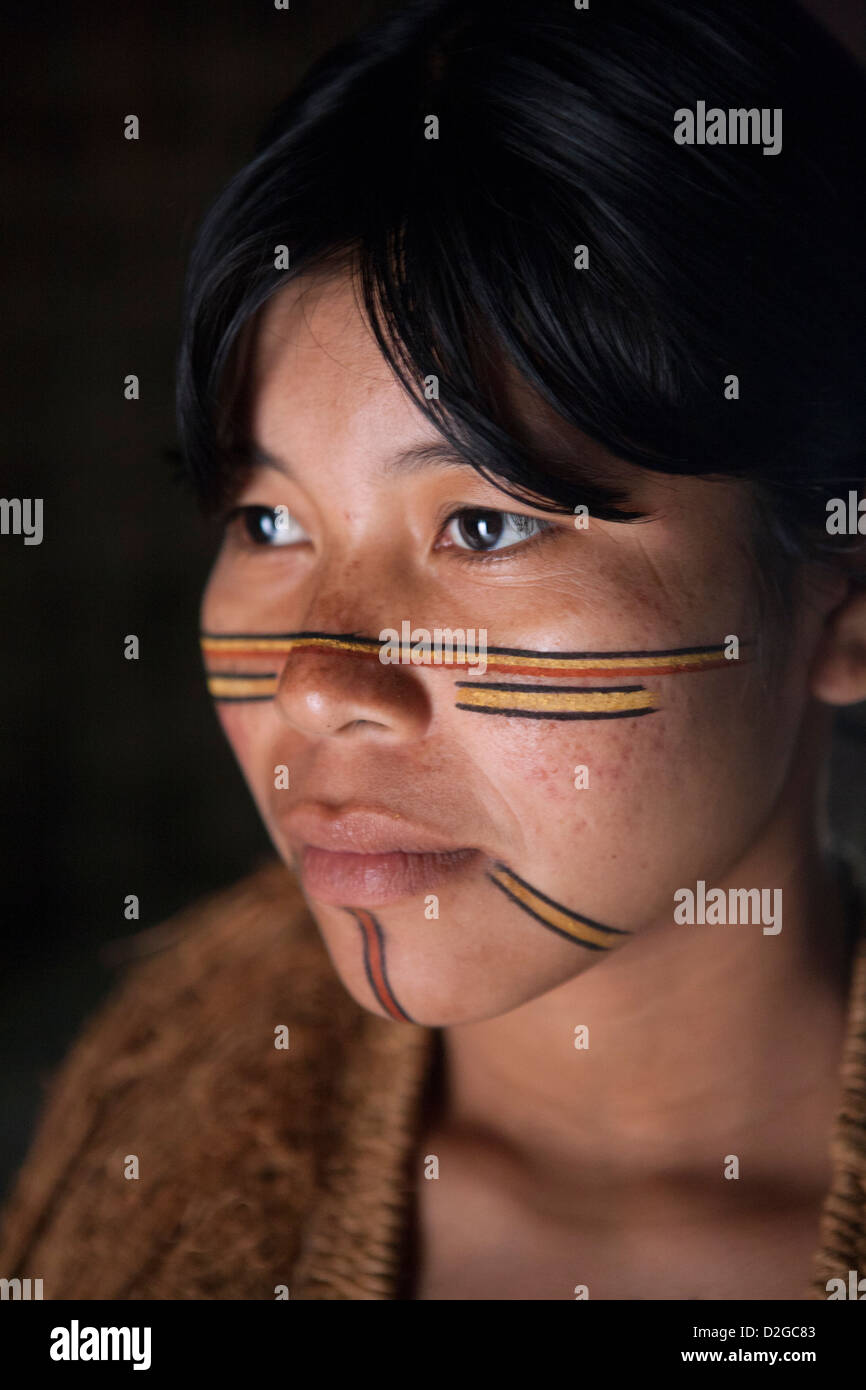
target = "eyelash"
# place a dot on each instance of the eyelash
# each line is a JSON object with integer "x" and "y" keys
{"x": 542, "y": 534}
{"x": 235, "y": 519}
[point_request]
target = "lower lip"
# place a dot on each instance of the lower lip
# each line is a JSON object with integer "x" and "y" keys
{"x": 374, "y": 880}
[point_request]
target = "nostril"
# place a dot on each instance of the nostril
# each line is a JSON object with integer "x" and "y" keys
{"x": 357, "y": 726}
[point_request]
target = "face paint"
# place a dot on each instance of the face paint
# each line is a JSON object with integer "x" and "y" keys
{"x": 659, "y": 663}
{"x": 514, "y": 701}
{"x": 557, "y": 701}
{"x": 236, "y": 688}
{"x": 582, "y": 930}
{"x": 553, "y": 915}
{"x": 517, "y": 659}
{"x": 374, "y": 964}
{"x": 280, "y": 644}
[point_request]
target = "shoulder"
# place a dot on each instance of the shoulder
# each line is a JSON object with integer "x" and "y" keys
{"x": 176, "y": 1133}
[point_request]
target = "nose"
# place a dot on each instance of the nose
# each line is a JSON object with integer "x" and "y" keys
{"x": 343, "y": 694}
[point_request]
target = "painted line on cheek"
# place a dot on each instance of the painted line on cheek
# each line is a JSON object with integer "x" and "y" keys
{"x": 660, "y": 663}
{"x": 517, "y": 659}
{"x": 553, "y": 915}
{"x": 374, "y": 964}
{"x": 557, "y": 702}
{"x": 240, "y": 686}
{"x": 281, "y": 643}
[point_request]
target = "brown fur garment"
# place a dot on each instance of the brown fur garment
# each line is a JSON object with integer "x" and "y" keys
{"x": 258, "y": 1167}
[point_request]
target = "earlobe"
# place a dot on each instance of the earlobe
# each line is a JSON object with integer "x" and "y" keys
{"x": 838, "y": 674}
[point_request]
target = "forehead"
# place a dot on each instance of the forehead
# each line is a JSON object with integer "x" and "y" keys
{"x": 316, "y": 368}
{"x": 313, "y": 348}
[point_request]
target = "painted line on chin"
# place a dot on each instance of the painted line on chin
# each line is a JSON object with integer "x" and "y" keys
{"x": 374, "y": 964}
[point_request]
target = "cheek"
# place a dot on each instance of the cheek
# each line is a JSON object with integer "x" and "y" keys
{"x": 614, "y": 815}
{"x": 243, "y": 726}
{"x": 215, "y": 609}
{"x": 542, "y": 760}
{"x": 712, "y": 734}
{"x": 245, "y": 594}
{"x": 556, "y": 775}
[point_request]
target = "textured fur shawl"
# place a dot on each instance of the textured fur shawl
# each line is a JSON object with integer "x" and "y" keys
{"x": 258, "y": 1166}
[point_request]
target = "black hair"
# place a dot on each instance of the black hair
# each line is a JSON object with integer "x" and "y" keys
{"x": 556, "y": 130}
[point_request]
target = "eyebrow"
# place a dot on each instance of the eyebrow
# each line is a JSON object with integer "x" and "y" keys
{"x": 606, "y": 501}
{"x": 420, "y": 456}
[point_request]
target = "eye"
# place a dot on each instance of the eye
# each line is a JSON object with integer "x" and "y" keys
{"x": 480, "y": 530}
{"x": 268, "y": 526}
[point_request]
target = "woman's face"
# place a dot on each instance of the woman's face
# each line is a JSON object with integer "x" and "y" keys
{"x": 462, "y": 861}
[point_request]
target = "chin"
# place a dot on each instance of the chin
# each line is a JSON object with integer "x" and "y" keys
{"x": 454, "y": 988}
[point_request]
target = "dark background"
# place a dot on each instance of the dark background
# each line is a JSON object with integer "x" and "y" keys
{"x": 114, "y": 776}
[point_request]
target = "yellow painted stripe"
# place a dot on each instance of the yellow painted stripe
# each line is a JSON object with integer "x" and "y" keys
{"x": 218, "y": 646}
{"x": 579, "y": 930}
{"x": 240, "y": 686}
{"x": 574, "y": 701}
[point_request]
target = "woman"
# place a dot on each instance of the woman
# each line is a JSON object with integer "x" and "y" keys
{"x": 520, "y": 364}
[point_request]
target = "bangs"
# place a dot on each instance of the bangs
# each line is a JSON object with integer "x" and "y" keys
{"x": 504, "y": 187}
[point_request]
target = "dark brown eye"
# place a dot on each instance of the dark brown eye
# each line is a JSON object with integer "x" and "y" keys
{"x": 267, "y": 526}
{"x": 492, "y": 530}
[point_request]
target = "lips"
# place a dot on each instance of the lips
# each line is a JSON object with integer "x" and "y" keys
{"x": 375, "y": 880}
{"x": 369, "y": 857}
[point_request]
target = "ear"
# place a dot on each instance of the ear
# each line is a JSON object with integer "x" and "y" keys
{"x": 838, "y": 675}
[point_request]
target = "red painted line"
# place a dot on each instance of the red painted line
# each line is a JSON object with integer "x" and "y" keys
{"x": 374, "y": 963}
